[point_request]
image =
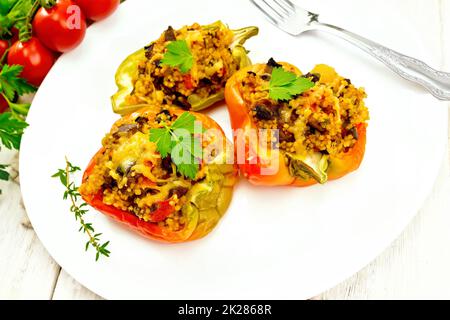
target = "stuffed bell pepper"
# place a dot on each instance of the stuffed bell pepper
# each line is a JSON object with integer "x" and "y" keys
{"x": 317, "y": 122}
{"x": 187, "y": 68}
{"x": 135, "y": 179}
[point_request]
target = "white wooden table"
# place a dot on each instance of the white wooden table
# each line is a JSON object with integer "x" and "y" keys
{"x": 415, "y": 266}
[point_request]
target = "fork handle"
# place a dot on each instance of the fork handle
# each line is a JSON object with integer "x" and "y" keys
{"x": 437, "y": 82}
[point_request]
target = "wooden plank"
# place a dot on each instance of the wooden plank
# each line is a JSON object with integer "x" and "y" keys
{"x": 445, "y": 27}
{"x": 416, "y": 265}
{"x": 69, "y": 289}
{"x": 26, "y": 269}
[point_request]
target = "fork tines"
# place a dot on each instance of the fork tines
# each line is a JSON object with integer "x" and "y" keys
{"x": 275, "y": 10}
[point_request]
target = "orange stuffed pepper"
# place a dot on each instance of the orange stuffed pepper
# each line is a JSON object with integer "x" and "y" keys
{"x": 133, "y": 182}
{"x": 319, "y": 118}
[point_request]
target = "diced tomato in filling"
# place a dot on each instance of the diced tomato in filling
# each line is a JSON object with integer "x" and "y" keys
{"x": 164, "y": 209}
{"x": 188, "y": 83}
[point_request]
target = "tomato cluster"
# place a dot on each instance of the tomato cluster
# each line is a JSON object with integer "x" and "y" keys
{"x": 55, "y": 29}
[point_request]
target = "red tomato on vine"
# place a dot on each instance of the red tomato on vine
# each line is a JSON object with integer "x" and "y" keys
{"x": 98, "y": 9}
{"x": 60, "y": 28}
{"x": 35, "y": 58}
{"x": 4, "y": 45}
{"x": 3, "y": 104}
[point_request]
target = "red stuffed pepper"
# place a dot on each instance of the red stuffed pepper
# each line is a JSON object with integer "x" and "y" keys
{"x": 130, "y": 181}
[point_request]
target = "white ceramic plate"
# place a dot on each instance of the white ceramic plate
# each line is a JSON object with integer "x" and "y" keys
{"x": 274, "y": 242}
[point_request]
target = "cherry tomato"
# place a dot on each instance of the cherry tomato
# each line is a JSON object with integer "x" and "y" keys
{"x": 35, "y": 58}
{"x": 163, "y": 210}
{"x": 62, "y": 27}
{"x": 98, "y": 9}
{"x": 4, "y": 45}
{"x": 3, "y": 104}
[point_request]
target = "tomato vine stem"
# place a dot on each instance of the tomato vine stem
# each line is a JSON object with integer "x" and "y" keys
{"x": 26, "y": 34}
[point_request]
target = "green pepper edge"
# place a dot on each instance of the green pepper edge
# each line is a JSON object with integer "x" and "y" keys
{"x": 203, "y": 190}
{"x": 318, "y": 172}
{"x": 128, "y": 68}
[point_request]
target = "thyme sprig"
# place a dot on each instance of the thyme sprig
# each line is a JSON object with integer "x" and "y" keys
{"x": 80, "y": 210}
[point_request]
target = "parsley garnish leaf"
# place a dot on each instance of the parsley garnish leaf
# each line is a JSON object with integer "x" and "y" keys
{"x": 11, "y": 130}
{"x": 185, "y": 149}
{"x": 188, "y": 170}
{"x": 163, "y": 140}
{"x": 190, "y": 150}
{"x": 11, "y": 83}
{"x": 4, "y": 175}
{"x": 178, "y": 55}
{"x": 281, "y": 78}
{"x": 185, "y": 121}
{"x": 284, "y": 84}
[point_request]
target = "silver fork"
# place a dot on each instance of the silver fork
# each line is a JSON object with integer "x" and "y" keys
{"x": 294, "y": 20}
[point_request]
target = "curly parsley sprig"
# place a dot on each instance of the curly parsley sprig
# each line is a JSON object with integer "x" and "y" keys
{"x": 79, "y": 210}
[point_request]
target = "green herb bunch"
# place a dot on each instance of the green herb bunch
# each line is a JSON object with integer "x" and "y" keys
{"x": 18, "y": 14}
{"x": 12, "y": 123}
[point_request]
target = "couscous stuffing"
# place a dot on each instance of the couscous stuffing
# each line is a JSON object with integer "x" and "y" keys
{"x": 322, "y": 119}
{"x": 130, "y": 175}
{"x": 214, "y": 61}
